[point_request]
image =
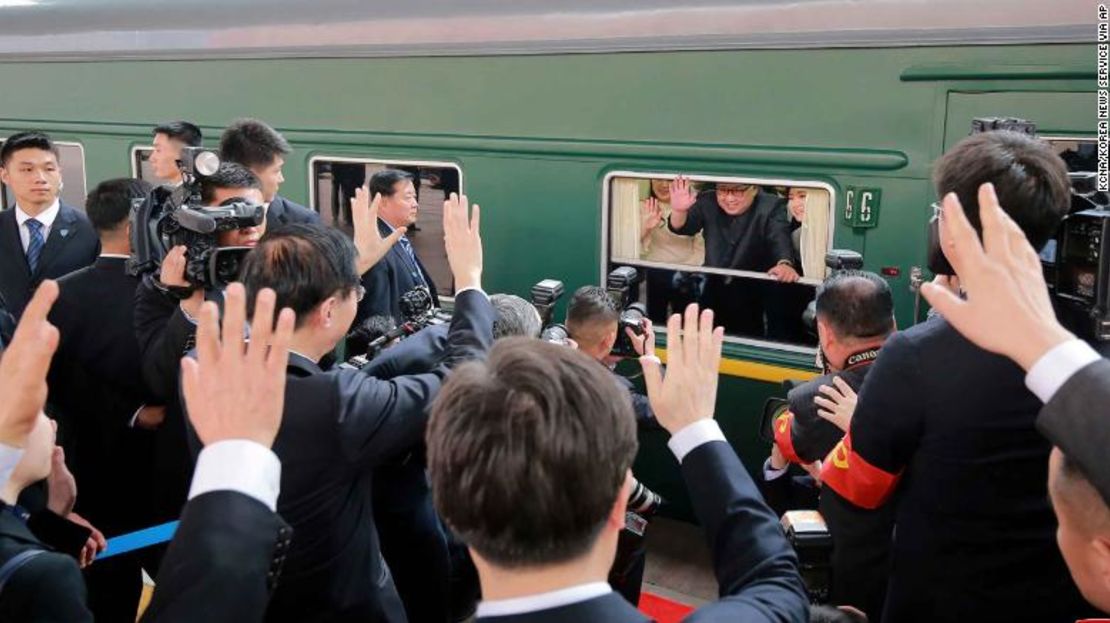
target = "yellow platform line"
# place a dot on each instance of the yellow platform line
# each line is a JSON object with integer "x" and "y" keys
{"x": 765, "y": 372}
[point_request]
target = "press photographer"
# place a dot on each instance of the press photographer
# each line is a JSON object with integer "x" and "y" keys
{"x": 854, "y": 317}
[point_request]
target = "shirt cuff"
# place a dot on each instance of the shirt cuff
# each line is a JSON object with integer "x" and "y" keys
{"x": 1055, "y": 367}
{"x": 9, "y": 458}
{"x": 701, "y": 432}
{"x": 770, "y": 473}
{"x": 135, "y": 417}
{"x": 238, "y": 465}
{"x": 476, "y": 289}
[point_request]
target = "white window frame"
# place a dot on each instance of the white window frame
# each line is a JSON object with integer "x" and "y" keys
{"x": 732, "y": 179}
{"x": 84, "y": 169}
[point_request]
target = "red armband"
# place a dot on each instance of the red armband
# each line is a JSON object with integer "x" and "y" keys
{"x": 858, "y": 481}
{"x": 784, "y": 430}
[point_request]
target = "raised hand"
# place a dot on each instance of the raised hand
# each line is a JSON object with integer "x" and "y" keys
{"x": 683, "y": 196}
{"x": 689, "y": 391}
{"x": 463, "y": 240}
{"x": 368, "y": 240}
{"x": 233, "y": 392}
{"x": 651, "y": 215}
{"x": 23, "y": 368}
{"x": 1007, "y": 310}
{"x": 643, "y": 344}
{"x": 837, "y": 403}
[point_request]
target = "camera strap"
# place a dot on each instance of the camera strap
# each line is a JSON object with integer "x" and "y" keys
{"x": 863, "y": 357}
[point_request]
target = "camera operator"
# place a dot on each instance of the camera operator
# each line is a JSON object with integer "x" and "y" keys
{"x": 855, "y": 315}
{"x": 949, "y": 428}
{"x": 339, "y": 425}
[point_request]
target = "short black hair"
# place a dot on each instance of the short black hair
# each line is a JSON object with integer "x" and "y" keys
{"x": 830, "y": 614}
{"x": 108, "y": 205}
{"x": 252, "y": 143}
{"x": 183, "y": 131}
{"x": 26, "y": 140}
{"x": 857, "y": 303}
{"x": 1030, "y": 179}
{"x": 516, "y": 317}
{"x": 591, "y": 305}
{"x": 384, "y": 182}
{"x": 304, "y": 264}
{"x": 528, "y": 450}
{"x": 229, "y": 175}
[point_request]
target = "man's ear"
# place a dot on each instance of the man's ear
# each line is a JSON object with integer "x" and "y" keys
{"x": 616, "y": 518}
{"x": 4, "y": 175}
{"x": 1100, "y": 548}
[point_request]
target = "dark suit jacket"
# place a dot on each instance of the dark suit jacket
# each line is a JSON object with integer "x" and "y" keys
{"x": 48, "y": 588}
{"x": 7, "y": 323}
{"x": 950, "y": 427}
{"x": 337, "y": 427}
{"x": 388, "y": 280}
{"x": 283, "y": 212}
{"x": 1074, "y": 421}
{"x": 223, "y": 562}
{"x": 418, "y": 353}
{"x": 755, "y": 240}
{"x": 72, "y": 244}
{"x": 756, "y": 568}
{"x": 96, "y": 386}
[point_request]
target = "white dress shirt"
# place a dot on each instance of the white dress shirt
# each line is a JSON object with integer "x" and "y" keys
{"x": 543, "y": 601}
{"x": 694, "y": 435}
{"x": 47, "y": 218}
{"x": 238, "y": 465}
{"x": 1055, "y": 367}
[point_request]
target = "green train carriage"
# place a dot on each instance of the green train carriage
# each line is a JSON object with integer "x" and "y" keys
{"x": 540, "y": 113}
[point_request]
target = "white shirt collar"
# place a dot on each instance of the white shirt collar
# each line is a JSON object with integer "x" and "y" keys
{"x": 543, "y": 601}
{"x": 46, "y": 217}
{"x": 116, "y": 255}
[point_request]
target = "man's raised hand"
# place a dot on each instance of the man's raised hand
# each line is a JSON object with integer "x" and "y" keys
{"x": 463, "y": 240}
{"x": 23, "y": 367}
{"x": 233, "y": 392}
{"x": 368, "y": 240}
{"x": 688, "y": 393}
{"x": 1007, "y": 310}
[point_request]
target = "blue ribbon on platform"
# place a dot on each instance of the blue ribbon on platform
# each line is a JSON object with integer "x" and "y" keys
{"x": 139, "y": 539}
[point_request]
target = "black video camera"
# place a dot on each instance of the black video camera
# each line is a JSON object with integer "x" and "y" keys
{"x": 170, "y": 217}
{"x": 545, "y": 295}
{"x": 1077, "y": 261}
{"x": 621, "y": 284}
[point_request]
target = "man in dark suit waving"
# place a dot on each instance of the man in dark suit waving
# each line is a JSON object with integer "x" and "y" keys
{"x": 41, "y": 238}
{"x": 401, "y": 270}
{"x": 260, "y": 148}
{"x": 542, "y": 519}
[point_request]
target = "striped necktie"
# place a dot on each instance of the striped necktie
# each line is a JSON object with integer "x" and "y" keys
{"x": 34, "y": 247}
{"x": 417, "y": 276}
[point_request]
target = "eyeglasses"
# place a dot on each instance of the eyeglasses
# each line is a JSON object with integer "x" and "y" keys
{"x": 938, "y": 211}
{"x": 360, "y": 293}
{"x": 734, "y": 190}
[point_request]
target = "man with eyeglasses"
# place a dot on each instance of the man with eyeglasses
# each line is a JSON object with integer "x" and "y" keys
{"x": 744, "y": 229}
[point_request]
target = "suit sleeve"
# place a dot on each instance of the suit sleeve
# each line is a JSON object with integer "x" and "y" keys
{"x": 378, "y": 419}
{"x": 379, "y": 298}
{"x": 756, "y": 568}
{"x": 223, "y": 561}
{"x": 416, "y": 354}
{"x": 1074, "y": 421}
{"x": 164, "y": 336}
{"x": 866, "y": 465}
{"x": 52, "y": 589}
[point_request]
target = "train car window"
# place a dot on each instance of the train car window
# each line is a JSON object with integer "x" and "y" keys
{"x": 752, "y": 249}
{"x": 71, "y": 157}
{"x": 141, "y": 167}
{"x": 334, "y": 180}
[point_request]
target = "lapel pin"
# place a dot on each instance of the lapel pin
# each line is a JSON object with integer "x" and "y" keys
{"x": 64, "y": 233}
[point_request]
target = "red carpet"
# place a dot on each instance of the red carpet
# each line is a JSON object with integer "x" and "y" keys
{"x": 662, "y": 609}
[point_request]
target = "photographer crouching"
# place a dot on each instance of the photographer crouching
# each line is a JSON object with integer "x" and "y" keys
{"x": 855, "y": 316}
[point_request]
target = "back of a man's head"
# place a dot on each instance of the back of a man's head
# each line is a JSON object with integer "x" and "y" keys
{"x": 591, "y": 315}
{"x": 516, "y": 317}
{"x": 856, "y": 305}
{"x": 1083, "y": 534}
{"x": 304, "y": 264}
{"x": 108, "y": 205}
{"x": 252, "y": 143}
{"x": 229, "y": 176}
{"x": 1030, "y": 179}
{"x": 528, "y": 451}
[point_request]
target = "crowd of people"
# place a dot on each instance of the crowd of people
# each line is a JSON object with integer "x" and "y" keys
{"x": 476, "y": 471}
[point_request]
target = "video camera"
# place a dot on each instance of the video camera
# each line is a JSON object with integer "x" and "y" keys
{"x": 170, "y": 217}
{"x": 621, "y": 285}
{"x": 419, "y": 312}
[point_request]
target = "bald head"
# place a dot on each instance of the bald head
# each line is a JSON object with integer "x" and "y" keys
{"x": 1083, "y": 533}
{"x": 856, "y": 304}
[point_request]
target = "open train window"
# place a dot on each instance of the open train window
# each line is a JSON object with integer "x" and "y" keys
{"x": 333, "y": 182}
{"x": 71, "y": 157}
{"x": 737, "y": 232}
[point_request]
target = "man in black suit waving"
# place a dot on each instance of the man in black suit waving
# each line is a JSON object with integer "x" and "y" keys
{"x": 41, "y": 238}
{"x": 340, "y": 425}
{"x": 401, "y": 270}
{"x": 103, "y": 408}
{"x": 260, "y": 148}
{"x": 529, "y": 457}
